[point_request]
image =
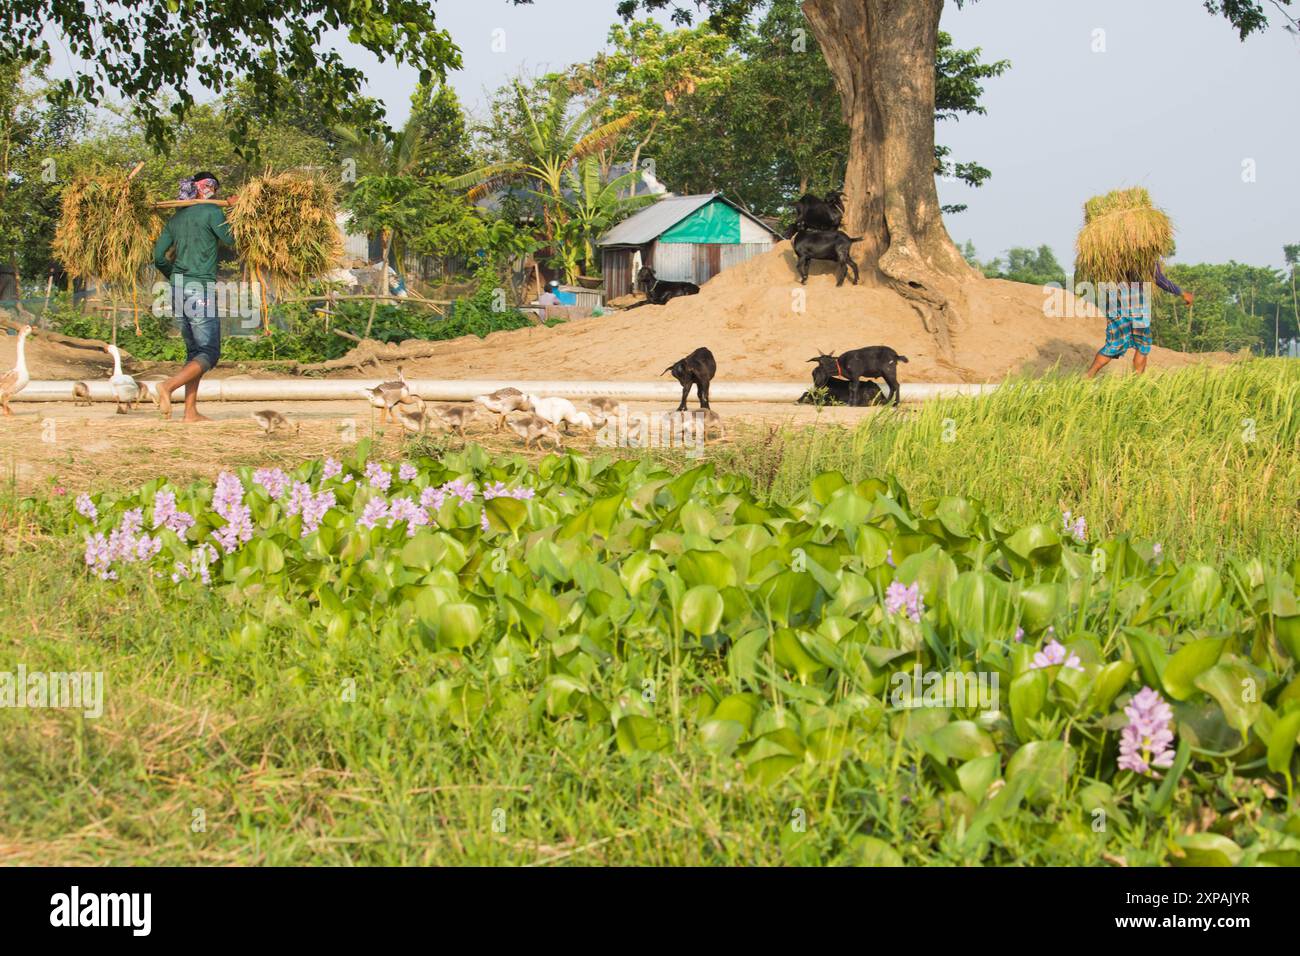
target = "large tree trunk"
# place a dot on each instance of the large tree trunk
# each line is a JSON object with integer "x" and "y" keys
{"x": 881, "y": 53}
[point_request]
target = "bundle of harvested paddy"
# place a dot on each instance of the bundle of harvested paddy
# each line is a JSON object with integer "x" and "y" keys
{"x": 285, "y": 227}
{"x": 107, "y": 229}
{"x": 1124, "y": 237}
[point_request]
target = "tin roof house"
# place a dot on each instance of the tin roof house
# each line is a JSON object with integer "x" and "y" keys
{"x": 683, "y": 238}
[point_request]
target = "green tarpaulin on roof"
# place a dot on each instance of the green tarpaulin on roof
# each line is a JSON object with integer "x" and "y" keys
{"x": 715, "y": 222}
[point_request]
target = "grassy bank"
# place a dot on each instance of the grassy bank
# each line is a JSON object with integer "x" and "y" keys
{"x": 678, "y": 667}
{"x": 1205, "y": 460}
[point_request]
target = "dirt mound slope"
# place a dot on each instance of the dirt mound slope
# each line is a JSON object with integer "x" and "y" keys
{"x": 763, "y": 326}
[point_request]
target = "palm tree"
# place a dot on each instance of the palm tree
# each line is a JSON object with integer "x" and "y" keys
{"x": 593, "y": 206}
{"x": 553, "y": 145}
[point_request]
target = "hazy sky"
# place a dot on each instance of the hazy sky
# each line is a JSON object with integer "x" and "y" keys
{"x": 1175, "y": 103}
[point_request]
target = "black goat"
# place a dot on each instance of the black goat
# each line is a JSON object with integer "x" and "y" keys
{"x": 696, "y": 369}
{"x": 874, "y": 361}
{"x": 813, "y": 213}
{"x": 659, "y": 291}
{"x": 830, "y": 245}
{"x": 836, "y": 391}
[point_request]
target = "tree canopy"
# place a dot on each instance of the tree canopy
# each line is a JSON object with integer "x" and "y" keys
{"x": 150, "y": 52}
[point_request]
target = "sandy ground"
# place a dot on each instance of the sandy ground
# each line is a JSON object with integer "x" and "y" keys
{"x": 92, "y": 448}
{"x": 760, "y": 324}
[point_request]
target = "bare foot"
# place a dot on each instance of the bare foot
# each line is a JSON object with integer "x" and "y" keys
{"x": 164, "y": 400}
{"x": 195, "y": 417}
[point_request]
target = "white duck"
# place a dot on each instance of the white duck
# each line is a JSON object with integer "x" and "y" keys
{"x": 16, "y": 379}
{"x": 126, "y": 390}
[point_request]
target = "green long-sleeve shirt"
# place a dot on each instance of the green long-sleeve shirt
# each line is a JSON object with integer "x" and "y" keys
{"x": 195, "y": 232}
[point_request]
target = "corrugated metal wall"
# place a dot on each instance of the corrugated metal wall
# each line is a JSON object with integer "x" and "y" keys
{"x": 676, "y": 261}
{"x": 616, "y": 267}
{"x": 692, "y": 262}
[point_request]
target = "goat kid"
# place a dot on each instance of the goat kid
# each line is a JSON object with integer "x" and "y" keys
{"x": 696, "y": 369}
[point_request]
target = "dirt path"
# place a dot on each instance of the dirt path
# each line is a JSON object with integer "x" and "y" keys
{"x": 94, "y": 448}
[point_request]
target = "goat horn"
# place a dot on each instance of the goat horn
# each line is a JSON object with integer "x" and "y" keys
{"x": 667, "y": 370}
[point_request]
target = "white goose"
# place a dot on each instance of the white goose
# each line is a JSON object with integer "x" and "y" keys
{"x": 15, "y": 380}
{"x": 126, "y": 390}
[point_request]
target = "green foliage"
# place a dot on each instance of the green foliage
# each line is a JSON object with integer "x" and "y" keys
{"x": 766, "y": 125}
{"x": 299, "y": 333}
{"x": 144, "y": 54}
{"x": 663, "y": 619}
{"x": 1035, "y": 266}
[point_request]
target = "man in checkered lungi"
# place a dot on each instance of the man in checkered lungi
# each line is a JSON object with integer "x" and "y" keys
{"x": 1128, "y": 321}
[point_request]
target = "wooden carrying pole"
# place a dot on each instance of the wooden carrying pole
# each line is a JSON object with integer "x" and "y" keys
{"x": 177, "y": 203}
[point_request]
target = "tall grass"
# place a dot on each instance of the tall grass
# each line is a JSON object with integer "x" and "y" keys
{"x": 1206, "y": 461}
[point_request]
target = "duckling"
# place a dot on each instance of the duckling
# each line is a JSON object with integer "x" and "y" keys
{"x": 504, "y": 401}
{"x": 412, "y": 414}
{"x": 703, "y": 418}
{"x": 603, "y": 406}
{"x": 81, "y": 394}
{"x": 270, "y": 421}
{"x": 455, "y": 416}
{"x": 126, "y": 390}
{"x": 532, "y": 428}
{"x": 387, "y": 394}
{"x": 584, "y": 421}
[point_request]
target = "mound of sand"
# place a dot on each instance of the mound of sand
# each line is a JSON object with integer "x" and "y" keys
{"x": 763, "y": 326}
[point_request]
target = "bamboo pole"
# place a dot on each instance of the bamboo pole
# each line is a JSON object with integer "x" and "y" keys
{"x": 177, "y": 203}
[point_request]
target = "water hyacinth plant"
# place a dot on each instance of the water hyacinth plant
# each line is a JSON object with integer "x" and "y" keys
{"x": 537, "y": 600}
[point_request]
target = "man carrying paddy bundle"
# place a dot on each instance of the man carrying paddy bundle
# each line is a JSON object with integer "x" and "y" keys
{"x": 1123, "y": 239}
{"x": 1128, "y": 321}
{"x": 195, "y": 233}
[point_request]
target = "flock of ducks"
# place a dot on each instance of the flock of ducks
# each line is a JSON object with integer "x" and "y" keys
{"x": 534, "y": 418}
{"x": 126, "y": 390}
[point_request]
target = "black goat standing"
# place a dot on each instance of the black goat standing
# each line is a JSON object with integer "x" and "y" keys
{"x": 813, "y": 213}
{"x": 830, "y": 245}
{"x": 874, "y": 361}
{"x": 696, "y": 369}
{"x": 660, "y": 291}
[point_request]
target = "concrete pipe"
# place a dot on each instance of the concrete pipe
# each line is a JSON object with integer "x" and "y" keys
{"x": 463, "y": 390}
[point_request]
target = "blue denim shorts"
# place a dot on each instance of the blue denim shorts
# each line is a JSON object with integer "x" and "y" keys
{"x": 200, "y": 326}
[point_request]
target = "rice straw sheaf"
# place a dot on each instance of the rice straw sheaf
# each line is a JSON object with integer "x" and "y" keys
{"x": 1124, "y": 237}
{"x": 285, "y": 228}
{"x": 107, "y": 228}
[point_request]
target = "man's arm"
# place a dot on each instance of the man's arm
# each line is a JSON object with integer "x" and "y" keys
{"x": 221, "y": 229}
{"x": 160, "y": 247}
{"x": 1164, "y": 282}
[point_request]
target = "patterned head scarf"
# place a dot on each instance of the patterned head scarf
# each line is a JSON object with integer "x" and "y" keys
{"x": 188, "y": 190}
